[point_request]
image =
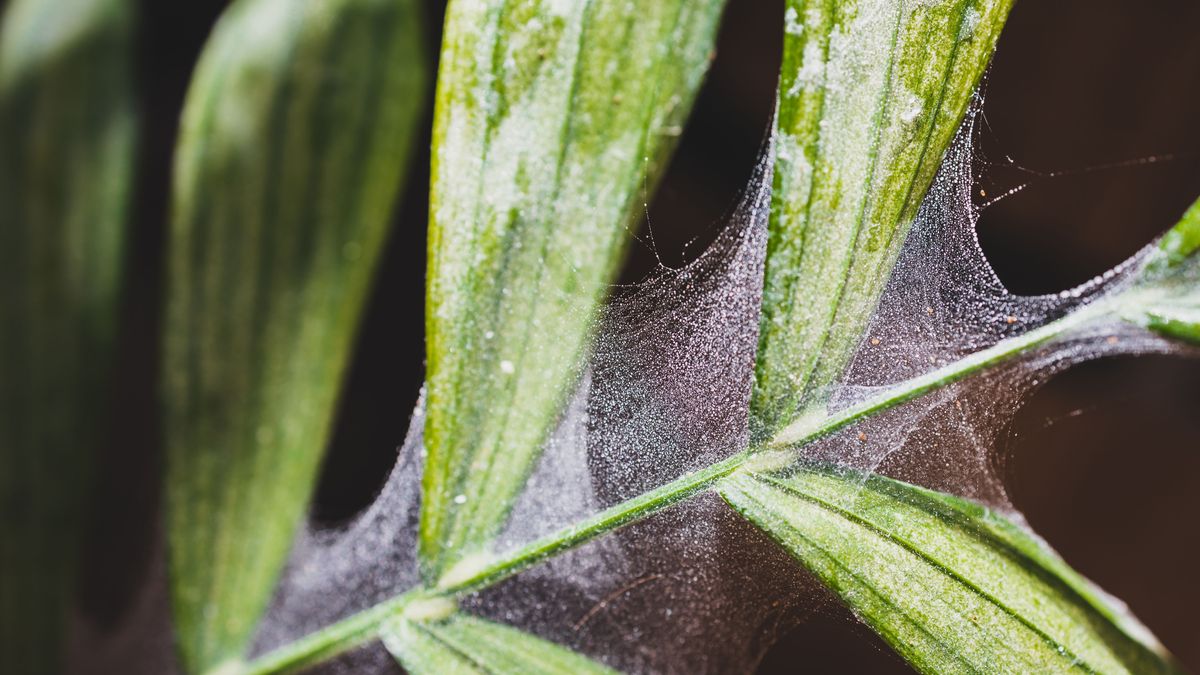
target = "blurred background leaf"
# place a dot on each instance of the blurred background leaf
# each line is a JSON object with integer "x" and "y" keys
{"x": 296, "y": 134}
{"x": 67, "y": 139}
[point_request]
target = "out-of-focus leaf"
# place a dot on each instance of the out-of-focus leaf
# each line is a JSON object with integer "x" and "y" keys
{"x": 950, "y": 584}
{"x": 465, "y": 645}
{"x": 551, "y": 120}
{"x": 295, "y": 135}
{"x": 67, "y": 137}
{"x": 871, "y": 94}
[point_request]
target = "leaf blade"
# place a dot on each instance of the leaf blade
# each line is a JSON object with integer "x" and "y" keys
{"x": 538, "y": 159}
{"x": 871, "y": 93}
{"x": 949, "y": 584}
{"x": 293, "y": 146}
{"x": 68, "y": 134}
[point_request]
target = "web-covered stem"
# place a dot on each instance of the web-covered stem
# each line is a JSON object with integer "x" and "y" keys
{"x": 782, "y": 450}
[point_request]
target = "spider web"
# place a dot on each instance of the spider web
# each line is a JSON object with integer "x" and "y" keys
{"x": 666, "y": 390}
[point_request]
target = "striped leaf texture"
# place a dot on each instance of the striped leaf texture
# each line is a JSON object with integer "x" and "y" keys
{"x": 67, "y": 137}
{"x": 951, "y": 585}
{"x": 551, "y": 120}
{"x": 465, "y": 645}
{"x": 295, "y": 137}
{"x": 871, "y": 94}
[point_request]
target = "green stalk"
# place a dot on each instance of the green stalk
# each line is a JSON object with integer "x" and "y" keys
{"x": 800, "y": 431}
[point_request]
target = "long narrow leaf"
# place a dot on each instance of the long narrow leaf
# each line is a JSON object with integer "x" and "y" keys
{"x": 551, "y": 120}
{"x": 295, "y": 136}
{"x": 951, "y": 585}
{"x": 67, "y": 137}
{"x": 870, "y": 95}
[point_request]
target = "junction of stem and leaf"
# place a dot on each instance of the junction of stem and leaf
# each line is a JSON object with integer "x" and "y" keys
{"x": 785, "y": 449}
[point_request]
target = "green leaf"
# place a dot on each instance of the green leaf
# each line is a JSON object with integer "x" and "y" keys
{"x": 465, "y": 645}
{"x": 67, "y": 146}
{"x": 1181, "y": 242}
{"x": 950, "y": 584}
{"x": 871, "y": 94}
{"x": 1166, "y": 296}
{"x": 295, "y": 137}
{"x": 551, "y": 119}
{"x": 1181, "y": 323}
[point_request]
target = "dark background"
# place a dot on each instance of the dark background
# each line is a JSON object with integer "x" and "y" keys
{"x": 1103, "y": 461}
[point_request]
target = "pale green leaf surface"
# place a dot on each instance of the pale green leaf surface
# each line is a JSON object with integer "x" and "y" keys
{"x": 552, "y": 120}
{"x": 950, "y": 584}
{"x": 871, "y": 94}
{"x": 67, "y": 146}
{"x": 466, "y": 645}
{"x": 295, "y": 136}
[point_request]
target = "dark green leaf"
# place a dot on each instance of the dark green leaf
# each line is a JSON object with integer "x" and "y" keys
{"x": 67, "y": 137}
{"x": 295, "y": 136}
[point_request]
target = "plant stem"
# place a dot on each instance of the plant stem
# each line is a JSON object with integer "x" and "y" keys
{"x": 359, "y": 628}
{"x": 805, "y": 429}
{"x": 601, "y": 523}
{"x": 330, "y": 641}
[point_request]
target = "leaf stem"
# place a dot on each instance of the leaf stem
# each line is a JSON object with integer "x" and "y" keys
{"x": 362, "y": 627}
{"x": 330, "y": 641}
{"x": 807, "y": 428}
{"x": 599, "y": 524}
